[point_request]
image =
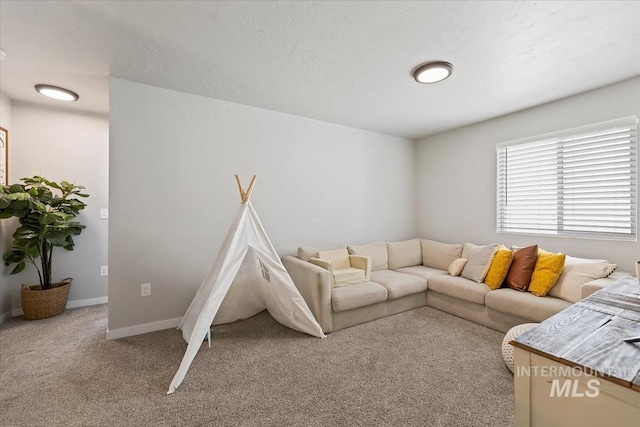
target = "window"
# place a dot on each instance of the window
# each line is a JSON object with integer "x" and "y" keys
{"x": 579, "y": 182}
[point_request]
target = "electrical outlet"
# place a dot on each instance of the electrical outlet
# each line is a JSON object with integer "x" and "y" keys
{"x": 104, "y": 213}
{"x": 104, "y": 270}
{"x": 145, "y": 289}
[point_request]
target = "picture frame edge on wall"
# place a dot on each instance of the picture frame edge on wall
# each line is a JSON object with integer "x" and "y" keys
{"x": 4, "y": 156}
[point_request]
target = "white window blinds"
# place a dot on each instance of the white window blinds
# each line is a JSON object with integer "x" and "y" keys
{"x": 580, "y": 182}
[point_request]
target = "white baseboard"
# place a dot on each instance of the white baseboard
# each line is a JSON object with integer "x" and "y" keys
{"x": 143, "y": 329}
{"x": 87, "y": 302}
{"x": 5, "y": 316}
{"x": 70, "y": 304}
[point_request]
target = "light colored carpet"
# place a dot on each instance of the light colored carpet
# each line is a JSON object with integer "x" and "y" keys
{"x": 422, "y": 367}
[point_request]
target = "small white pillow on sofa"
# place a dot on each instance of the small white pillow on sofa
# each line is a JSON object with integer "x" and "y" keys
{"x": 480, "y": 258}
{"x": 404, "y": 254}
{"x": 455, "y": 268}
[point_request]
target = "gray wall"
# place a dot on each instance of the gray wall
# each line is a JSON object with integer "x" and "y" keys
{"x": 73, "y": 146}
{"x": 172, "y": 192}
{"x": 456, "y": 185}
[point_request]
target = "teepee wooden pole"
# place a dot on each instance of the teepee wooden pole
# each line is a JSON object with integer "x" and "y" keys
{"x": 245, "y": 194}
{"x": 249, "y": 190}
{"x": 240, "y": 188}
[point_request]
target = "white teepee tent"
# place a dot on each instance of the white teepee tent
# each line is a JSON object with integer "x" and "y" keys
{"x": 246, "y": 278}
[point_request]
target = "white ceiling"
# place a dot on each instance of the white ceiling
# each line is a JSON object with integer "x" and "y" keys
{"x": 341, "y": 62}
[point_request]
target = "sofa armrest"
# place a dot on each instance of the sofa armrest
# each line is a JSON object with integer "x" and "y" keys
{"x": 327, "y": 265}
{"x": 314, "y": 284}
{"x": 595, "y": 285}
{"x": 363, "y": 263}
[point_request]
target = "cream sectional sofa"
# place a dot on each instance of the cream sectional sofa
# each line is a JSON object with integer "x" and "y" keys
{"x": 413, "y": 273}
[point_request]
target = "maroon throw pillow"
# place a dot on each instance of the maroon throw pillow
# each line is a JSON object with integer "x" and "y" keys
{"x": 524, "y": 261}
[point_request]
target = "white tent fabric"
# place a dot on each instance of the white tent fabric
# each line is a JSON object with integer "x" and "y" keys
{"x": 246, "y": 278}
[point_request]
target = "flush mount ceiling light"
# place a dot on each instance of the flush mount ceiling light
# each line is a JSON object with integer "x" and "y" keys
{"x": 432, "y": 72}
{"x": 56, "y": 92}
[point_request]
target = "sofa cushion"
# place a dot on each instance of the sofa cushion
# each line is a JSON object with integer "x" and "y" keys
{"x": 519, "y": 275}
{"x": 576, "y": 274}
{"x": 422, "y": 271}
{"x": 458, "y": 287}
{"x": 376, "y": 251}
{"x": 404, "y": 254}
{"x": 307, "y": 252}
{"x": 595, "y": 285}
{"x": 348, "y": 276}
{"x": 339, "y": 257}
{"x": 479, "y": 261}
{"x": 546, "y": 272}
{"x": 524, "y": 304}
{"x": 499, "y": 267}
{"x": 439, "y": 255}
{"x": 399, "y": 284}
{"x": 354, "y": 296}
{"x": 456, "y": 267}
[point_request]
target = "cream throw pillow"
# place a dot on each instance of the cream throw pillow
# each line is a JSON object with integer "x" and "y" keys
{"x": 455, "y": 268}
{"x": 480, "y": 258}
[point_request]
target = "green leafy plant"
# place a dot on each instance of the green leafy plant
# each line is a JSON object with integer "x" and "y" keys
{"x": 46, "y": 211}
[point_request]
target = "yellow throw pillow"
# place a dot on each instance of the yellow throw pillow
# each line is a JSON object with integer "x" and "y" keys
{"x": 499, "y": 268}
{"x": 546, "y": 272}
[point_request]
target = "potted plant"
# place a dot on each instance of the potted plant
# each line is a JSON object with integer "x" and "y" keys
{"x": 46, "y": 211}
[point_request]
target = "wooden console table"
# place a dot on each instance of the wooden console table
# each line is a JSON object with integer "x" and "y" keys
{"x": 574, "y": 369}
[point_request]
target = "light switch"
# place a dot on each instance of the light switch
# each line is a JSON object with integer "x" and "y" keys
{"x": 104, "y": 213}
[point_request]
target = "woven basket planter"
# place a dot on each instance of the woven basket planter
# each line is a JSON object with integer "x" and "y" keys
{"x": 40, "y": 304}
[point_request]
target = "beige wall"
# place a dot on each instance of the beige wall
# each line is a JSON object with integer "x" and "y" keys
{"x": 456, "y": 185}
{"x": 172, "y": 192}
